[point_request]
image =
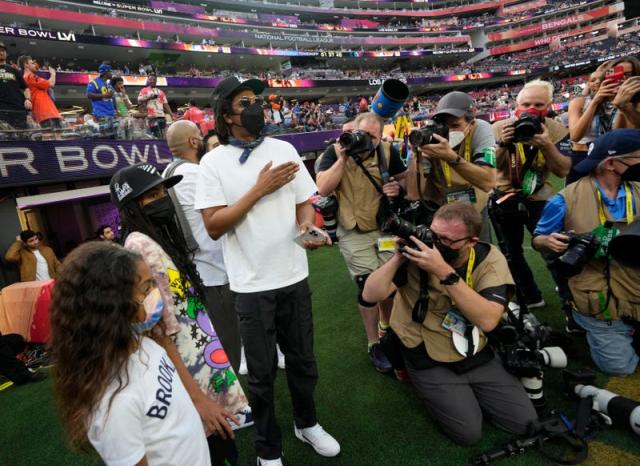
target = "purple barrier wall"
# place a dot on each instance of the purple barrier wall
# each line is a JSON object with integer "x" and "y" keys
{"x": 28, "y": 163}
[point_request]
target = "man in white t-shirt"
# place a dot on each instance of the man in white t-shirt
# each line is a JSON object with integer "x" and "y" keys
{"x": 187, "y": 146}
{"x": 35, "y": 260}
{"x": 254, "y": 193}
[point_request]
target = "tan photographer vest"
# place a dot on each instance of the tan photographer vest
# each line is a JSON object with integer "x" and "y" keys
{"x": 358, "y": 200}
{"x": 491, "y": 272}
{"x": 557, "y": 133}
{"x": 589, "y": 288}
{"x": 444, "y": 177}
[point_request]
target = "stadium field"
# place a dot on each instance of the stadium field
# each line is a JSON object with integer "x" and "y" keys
{"x": 377, "y": 419}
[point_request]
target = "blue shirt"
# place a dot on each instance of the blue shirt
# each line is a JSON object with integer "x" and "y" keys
{"x": 104, "y": 107}
{"x": 552, "y": 219}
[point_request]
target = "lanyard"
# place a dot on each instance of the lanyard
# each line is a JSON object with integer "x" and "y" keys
{"x": 628, "y": 205}
{"x": 468, "y": 278}
{"x": 446, "y": 169}
{"x": 470, "y": 264}
{"x": 539, "y": 157}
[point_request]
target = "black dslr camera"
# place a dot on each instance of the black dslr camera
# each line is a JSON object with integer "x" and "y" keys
{"x": 581, "y": 250}
{"x": 355, "y": 142}
{"x": 396, "y": 225}
{"x": 526, "y": 126}
{"x": 424, "y": 135}
{"x": 327, "y": 206}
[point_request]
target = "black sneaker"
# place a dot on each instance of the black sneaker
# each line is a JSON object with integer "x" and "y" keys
{"x": 571, "y": 326}
{"x": 379, "y": 359}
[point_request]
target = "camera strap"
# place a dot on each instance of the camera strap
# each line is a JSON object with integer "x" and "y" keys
{"x": 384, "y": 172}
{"x": 521, "y": 162}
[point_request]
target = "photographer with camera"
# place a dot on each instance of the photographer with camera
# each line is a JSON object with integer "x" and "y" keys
{"x": 457, "y": 157}
{"x": 578, "y": 223}
{"x": 526, "y": 154}
{"x": 626, "y": 72}
{"x": 454, "y": 289}
{"x": 358, "y": 205}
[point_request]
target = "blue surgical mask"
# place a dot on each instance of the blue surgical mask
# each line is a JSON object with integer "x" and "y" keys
{"x": 153, "y": 306}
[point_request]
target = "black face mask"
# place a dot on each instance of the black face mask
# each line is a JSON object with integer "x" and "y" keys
{"x": 632, "y": 173}
{"x": 449, "y": 254}
{"x": 202, "y": 149}
{"x": 160, "y": 211}
{"x": 252, "y": 119}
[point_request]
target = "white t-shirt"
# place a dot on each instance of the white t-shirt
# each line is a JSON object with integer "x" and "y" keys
{"x": 259, "y": 252}
{"x": 208, "y": 258}
{"x": 153, "y": 416}
{"x": 42, "y": 268}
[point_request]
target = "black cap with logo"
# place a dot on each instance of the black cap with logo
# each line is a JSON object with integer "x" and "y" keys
{"x": 131, "y": 182}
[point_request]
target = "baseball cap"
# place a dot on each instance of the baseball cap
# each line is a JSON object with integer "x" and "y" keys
{"x": 612, "y": 144}
{"x": 104, "y": 68}
{"x": 231, "y": 85}
{"x": 2, "y": 46}
{"x": 131, "y": 182}
{"x": 454, "y": 103}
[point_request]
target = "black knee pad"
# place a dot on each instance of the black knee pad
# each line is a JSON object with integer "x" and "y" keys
{"x": 360, "y": 281}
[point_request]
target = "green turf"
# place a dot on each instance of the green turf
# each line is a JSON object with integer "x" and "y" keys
{"x": 377, "y": 420}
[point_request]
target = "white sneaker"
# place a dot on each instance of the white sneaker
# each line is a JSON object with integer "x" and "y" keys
{"x": 263, "y": 462}
{"x": 323, "y": 443}
{"x": 243, "y": 363}
{"x": 281, "y": 363}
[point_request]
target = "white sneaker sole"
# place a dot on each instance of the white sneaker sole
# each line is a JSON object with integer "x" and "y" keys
{"x": 318, "y": 451}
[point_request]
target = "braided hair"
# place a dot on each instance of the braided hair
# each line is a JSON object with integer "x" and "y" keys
{"x": 170, "y": 237}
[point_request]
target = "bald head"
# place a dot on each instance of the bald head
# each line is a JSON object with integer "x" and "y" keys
{"x": 182, "y": 139}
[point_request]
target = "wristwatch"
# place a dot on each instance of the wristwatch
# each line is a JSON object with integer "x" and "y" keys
{"x": 450, "y": 279}
{"x": 455, "y": 161}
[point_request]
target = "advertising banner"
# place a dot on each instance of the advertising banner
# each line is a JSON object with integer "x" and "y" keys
{"x": 557, "y": 23}
{"x": 28, "y": 162}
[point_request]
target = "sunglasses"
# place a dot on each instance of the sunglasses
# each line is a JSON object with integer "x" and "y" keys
{"x": 244, "y": 102}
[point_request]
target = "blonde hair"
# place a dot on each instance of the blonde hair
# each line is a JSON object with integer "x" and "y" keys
{"x": 369, "y": 116}
{"x": 538, "y": 83}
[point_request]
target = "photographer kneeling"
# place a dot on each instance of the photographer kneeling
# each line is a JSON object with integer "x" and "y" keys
{"x": 358, "y": 204}
{"x": 592, "y": 210}
{"x": 450, "y": 295}
{"x": 458, "y": 155}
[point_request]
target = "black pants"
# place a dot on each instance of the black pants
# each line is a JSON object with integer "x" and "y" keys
{"x": 16, "y": 118}
{"x": 514, "y": 236}
{"x": 576, "y": 156}
{"x": 221, "y": 310}
{"x": 222, "y": 452}
{"x": 11, "y": 367}
{"x": 282, "y": 316}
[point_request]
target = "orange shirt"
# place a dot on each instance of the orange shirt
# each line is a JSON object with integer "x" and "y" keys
{"x": 43, "y": 107}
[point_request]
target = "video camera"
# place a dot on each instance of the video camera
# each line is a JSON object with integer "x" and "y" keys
{"x": 424, "y": 135}
{"x": 580, "y": 250}
{"x": 527, "y": 126}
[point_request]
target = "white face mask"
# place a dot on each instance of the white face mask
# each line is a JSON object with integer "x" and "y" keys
{"x": 456, "y": 138}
